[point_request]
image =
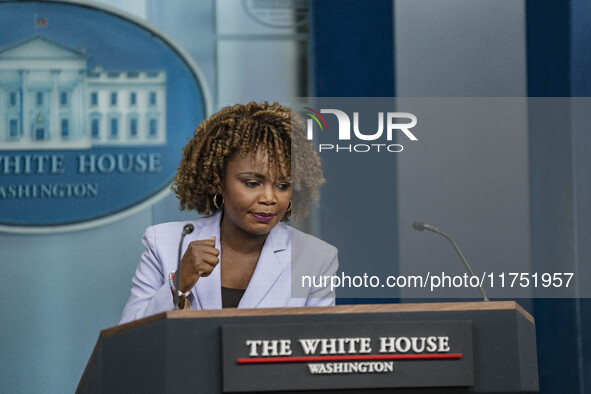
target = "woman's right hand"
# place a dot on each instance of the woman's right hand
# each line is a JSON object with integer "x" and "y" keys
{"x": 199, "y": 260}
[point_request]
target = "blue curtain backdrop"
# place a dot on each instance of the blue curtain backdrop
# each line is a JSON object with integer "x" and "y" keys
{"x": 558, "y": 63}
{"x": 352, "y": 55}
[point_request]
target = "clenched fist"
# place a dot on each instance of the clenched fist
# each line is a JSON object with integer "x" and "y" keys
{"x": 199, "y": 260}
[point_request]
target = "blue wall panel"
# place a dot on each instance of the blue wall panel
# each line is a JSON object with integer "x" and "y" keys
{"x": 558, "y": 34}
{"x": 352, "y": 55}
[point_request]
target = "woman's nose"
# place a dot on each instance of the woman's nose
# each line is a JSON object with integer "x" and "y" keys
{"x": 268, "y": 195}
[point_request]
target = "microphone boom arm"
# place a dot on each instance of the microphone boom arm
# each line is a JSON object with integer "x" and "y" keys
{"x": 464, "y": 261}
{"x": 188, "y": 229}
{"x": 421, "y": 226}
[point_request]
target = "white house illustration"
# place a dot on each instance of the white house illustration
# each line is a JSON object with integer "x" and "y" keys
{"x": 49, "y": 99}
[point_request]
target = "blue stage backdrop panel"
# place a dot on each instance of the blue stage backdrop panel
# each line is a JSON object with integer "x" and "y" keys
{"x": 557, "y": 59}
{"x": 352, "y": 55}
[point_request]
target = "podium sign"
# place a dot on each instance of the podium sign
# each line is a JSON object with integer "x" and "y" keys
{"x": 284, "y": 357}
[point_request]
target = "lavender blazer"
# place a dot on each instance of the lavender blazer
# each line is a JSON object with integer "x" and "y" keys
{"x": 287, "y": 253}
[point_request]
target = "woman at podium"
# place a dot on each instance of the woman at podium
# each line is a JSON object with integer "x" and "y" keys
{"x": 248, "y": 168}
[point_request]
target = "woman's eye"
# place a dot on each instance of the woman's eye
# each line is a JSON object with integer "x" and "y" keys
{"x": 284, "y": 186}
{"x": 251, "y": 184}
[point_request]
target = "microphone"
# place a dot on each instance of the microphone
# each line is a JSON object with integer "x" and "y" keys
{"x": 188, "y": 229}
{"x": 420, "y": 226}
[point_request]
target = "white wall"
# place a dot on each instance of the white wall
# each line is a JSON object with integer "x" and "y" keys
{"x": 260, "y": 57}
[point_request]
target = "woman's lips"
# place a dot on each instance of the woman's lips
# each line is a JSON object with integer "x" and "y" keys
{"x": 263, "y": 217}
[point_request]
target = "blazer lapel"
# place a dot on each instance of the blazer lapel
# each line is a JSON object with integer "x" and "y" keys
{"x": 272, "y": 262}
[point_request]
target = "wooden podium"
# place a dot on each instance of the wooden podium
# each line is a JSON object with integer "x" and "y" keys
{"x": 474, "y": 347}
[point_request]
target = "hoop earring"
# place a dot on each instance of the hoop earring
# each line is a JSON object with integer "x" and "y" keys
{"x": 215, "y": 201}
{"x": 289, "y": 207}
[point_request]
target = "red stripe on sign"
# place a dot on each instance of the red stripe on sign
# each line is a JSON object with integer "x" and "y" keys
{"x": 261, "y": 360}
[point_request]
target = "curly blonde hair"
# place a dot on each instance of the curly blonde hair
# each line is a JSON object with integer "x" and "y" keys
{"x": 245, "y": 129}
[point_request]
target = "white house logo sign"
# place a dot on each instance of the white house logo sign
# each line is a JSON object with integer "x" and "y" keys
{"x": 341, "y": 355}
{"x": 91, "y": 126}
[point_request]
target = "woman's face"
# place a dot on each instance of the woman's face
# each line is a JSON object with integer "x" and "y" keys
{"x": 256, "y": 197}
